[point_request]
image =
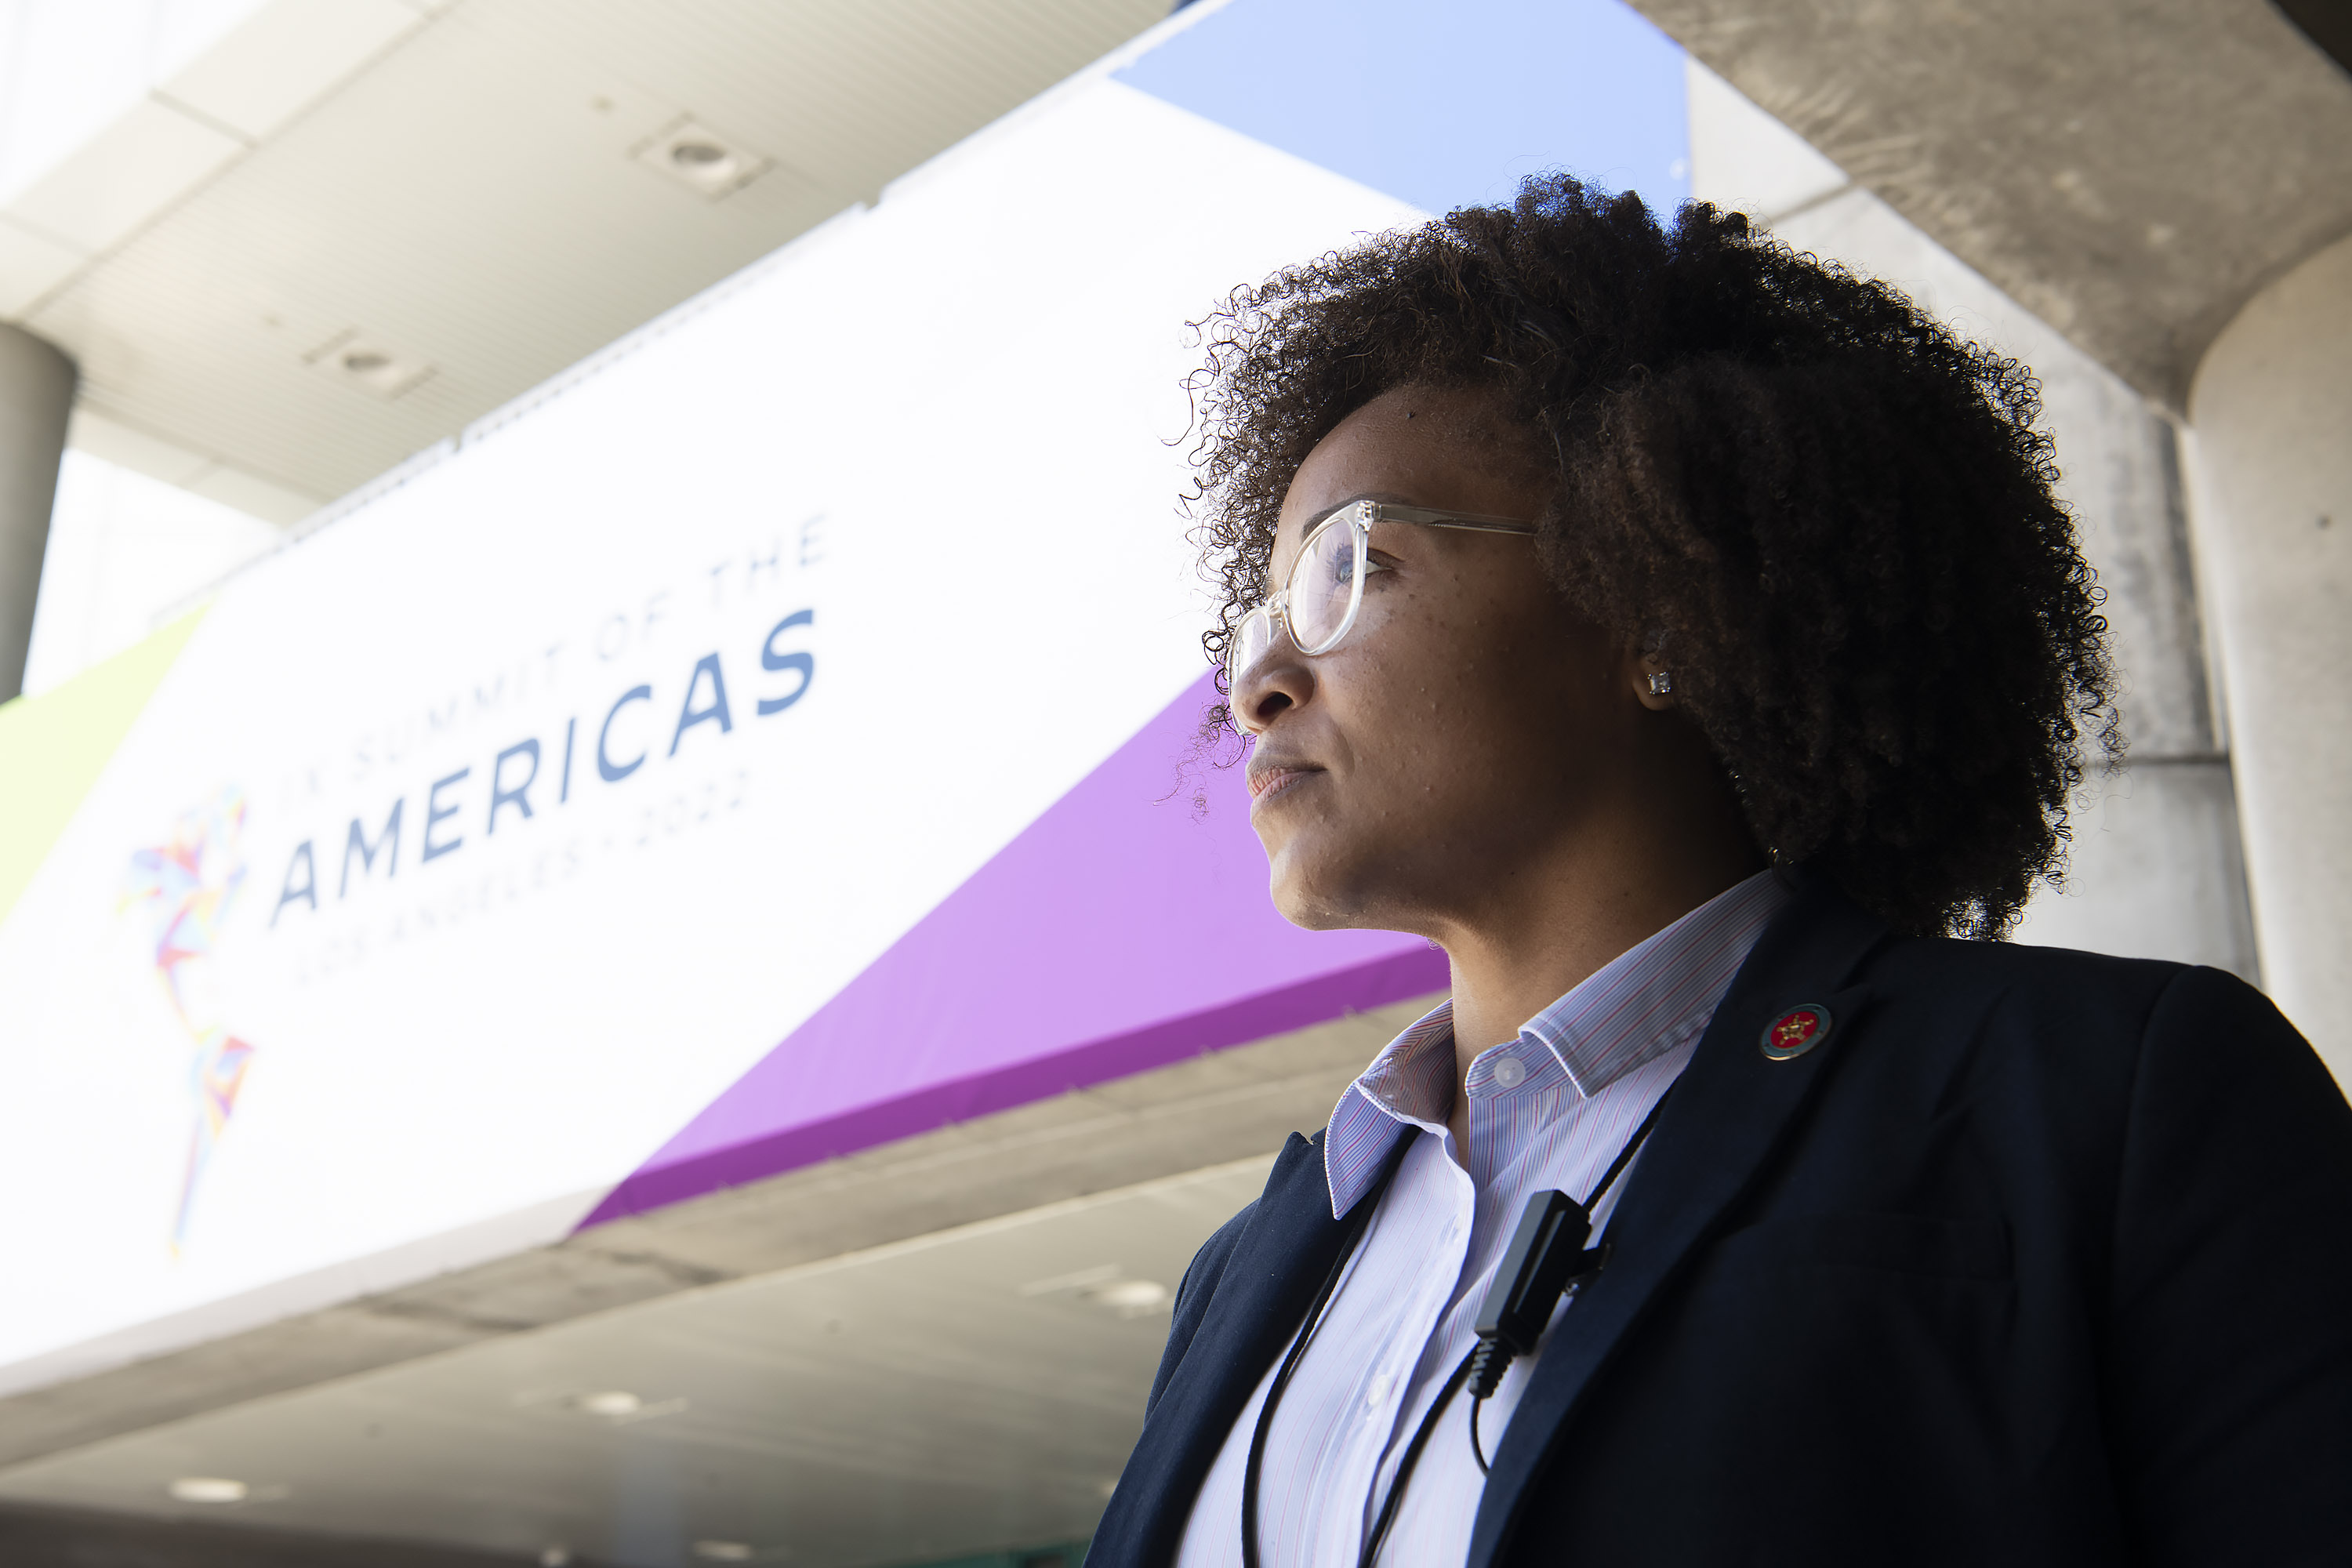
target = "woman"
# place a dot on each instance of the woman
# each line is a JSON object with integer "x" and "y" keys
{"x": 1682, "y": 634}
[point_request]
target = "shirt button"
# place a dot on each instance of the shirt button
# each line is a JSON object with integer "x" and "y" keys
{"x": 1510, "y": 1072}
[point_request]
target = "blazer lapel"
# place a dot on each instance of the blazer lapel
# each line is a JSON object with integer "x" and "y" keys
{"x": 1731, "y": 1109}
{"x": 1259, "y": 1301}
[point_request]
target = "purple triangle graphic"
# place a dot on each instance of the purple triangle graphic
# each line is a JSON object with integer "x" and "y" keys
{"x": 1123, "y": 930}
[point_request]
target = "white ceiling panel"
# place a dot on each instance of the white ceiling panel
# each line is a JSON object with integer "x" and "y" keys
{"x": 473, "y": 198}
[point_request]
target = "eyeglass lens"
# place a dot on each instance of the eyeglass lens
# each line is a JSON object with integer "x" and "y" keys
{"x": 1323, "y": 585}
{"x": 1318, "y": 602}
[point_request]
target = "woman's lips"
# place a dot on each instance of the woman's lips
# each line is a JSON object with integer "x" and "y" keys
{"x": 1265, "y": 787}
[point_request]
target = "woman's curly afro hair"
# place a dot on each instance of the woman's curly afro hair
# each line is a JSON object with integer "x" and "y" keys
{"x": 1832, "y": 517}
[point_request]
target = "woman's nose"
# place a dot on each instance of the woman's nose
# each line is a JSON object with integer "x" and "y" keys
{"x": 1278, "y": 681}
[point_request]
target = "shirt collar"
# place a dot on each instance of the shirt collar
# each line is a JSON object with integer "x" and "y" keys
{"x": 1642, "y": 1003}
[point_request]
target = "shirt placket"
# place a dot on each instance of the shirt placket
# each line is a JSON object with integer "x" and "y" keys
{"x": 1513, "y": 1096}
{"x": 1507, "y": 1088}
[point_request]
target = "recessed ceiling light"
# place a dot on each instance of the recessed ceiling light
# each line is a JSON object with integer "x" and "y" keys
{"x": 621, "y": 1407}
{"x": 612, "y": 1402}
{"x": 723, "y": 1550}
{"x": 210, "y": 1489}
{"x": 700, "y": 159}
{"x": 1129, "y": 1297}
{"x": 365, "y": 362}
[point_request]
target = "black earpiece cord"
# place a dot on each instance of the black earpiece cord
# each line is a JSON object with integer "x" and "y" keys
{"x": 1307, "y": 1331}
{"x": 1527, "y": 1285}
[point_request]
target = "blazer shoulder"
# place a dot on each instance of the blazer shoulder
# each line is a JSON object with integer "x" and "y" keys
{"x": 2124, "y": 1036}
{"x": 1193, "y": 1293}
{"x": 2213, "y": 1037}
{"x": 2075, "y": 989}
{"x": 1296, "y": 1178}
{"x": 1208, "y": 1265}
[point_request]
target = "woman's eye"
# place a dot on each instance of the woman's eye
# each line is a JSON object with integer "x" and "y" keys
{"x": 1336, "y": 567}
{"x": 1343, "y": 569}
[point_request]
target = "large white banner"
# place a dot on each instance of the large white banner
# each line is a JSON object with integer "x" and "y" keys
{"x": 472, "y": 845}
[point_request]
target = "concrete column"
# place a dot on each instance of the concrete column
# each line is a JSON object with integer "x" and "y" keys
{"x": 2270, "y": 442}
{"x": 36, "y": 393}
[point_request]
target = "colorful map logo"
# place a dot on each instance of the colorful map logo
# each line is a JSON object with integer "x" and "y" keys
{"x": 187, "y": 887}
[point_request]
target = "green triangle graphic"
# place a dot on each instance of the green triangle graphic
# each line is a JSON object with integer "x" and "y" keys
{"x": 54, "y": 746}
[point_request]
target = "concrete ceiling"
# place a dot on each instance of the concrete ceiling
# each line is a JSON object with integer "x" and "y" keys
{"x": 75, "y": 1538}
{"x": 970, "y": 1391}
{"x": 473, "y": 191}
{"x": 724, "y": 1301}
{"x": 2133, "y": 172}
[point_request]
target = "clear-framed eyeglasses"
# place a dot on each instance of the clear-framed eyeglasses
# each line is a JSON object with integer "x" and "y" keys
{"x": 1318, "y": 603}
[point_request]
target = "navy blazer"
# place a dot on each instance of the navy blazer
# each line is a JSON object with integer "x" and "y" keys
{"x": 2037, "y": 1257}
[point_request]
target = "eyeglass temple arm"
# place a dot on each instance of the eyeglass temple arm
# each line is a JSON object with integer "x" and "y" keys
{"x": 1472, "y": 521}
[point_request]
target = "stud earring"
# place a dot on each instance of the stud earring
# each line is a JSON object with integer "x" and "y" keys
{"x": 1661, "y": 684}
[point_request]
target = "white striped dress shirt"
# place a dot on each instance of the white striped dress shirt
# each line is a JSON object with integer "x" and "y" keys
{"x": 1548, "y": 1110}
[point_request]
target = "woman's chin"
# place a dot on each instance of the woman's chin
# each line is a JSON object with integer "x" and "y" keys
{"x": 1317, "y": 902}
